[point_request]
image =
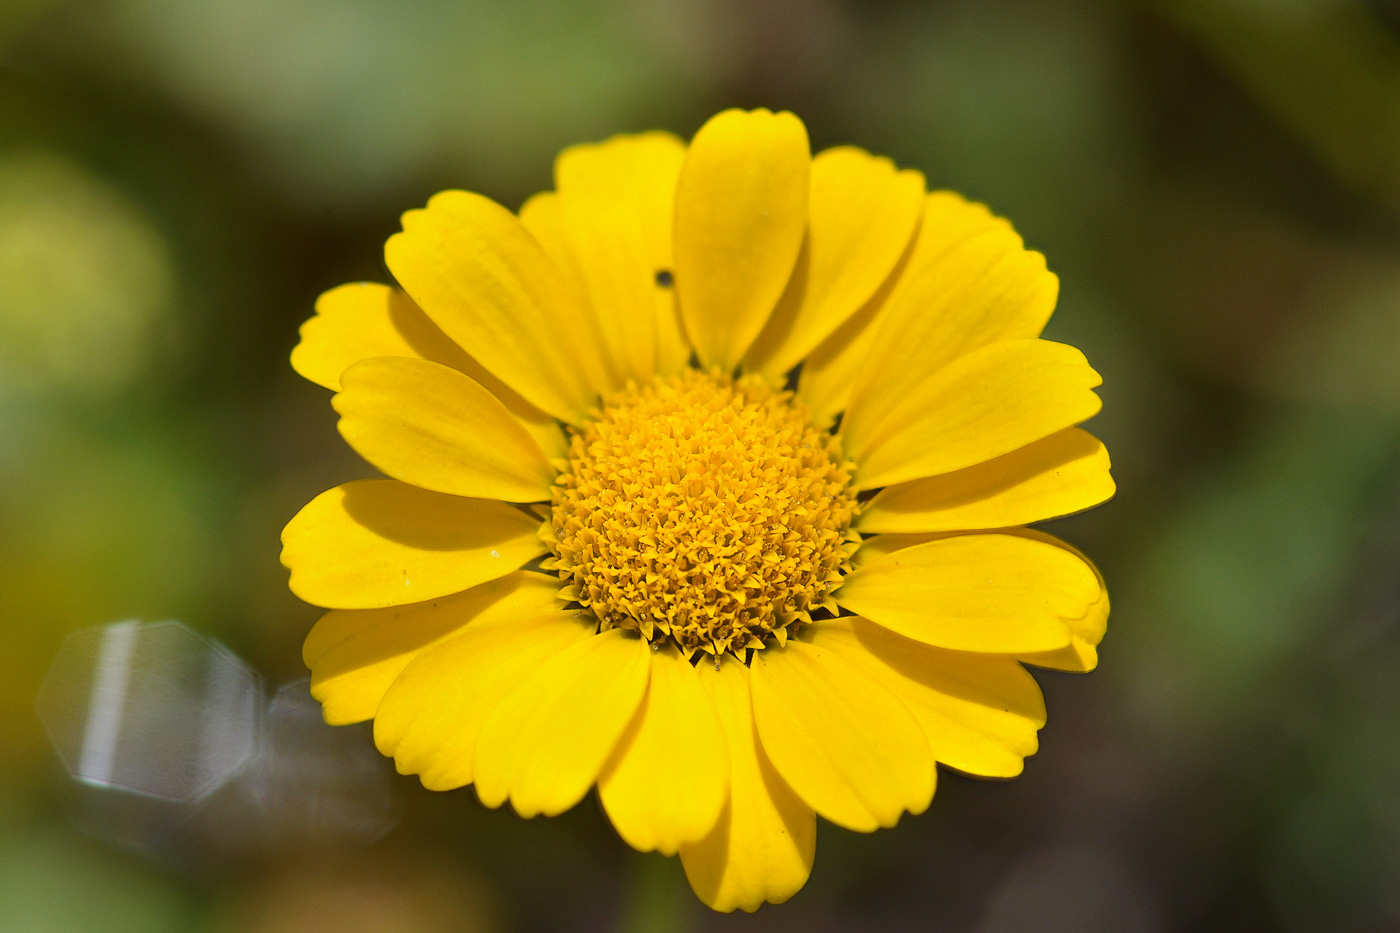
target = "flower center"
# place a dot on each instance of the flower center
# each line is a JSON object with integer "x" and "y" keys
{"x": 704, "y": 508}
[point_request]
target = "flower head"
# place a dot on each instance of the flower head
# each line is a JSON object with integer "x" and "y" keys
{"x": 709, "y": 472}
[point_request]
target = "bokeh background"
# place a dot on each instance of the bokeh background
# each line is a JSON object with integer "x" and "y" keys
{"x": 1217, "y": 182}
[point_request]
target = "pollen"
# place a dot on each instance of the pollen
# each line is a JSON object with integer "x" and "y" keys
{"x": 705, "y": 509}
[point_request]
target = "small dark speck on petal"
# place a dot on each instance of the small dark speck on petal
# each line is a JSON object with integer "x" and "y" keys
{"x": 664, "y": 278}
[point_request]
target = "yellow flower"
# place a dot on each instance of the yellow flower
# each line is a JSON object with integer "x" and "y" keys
{"x": 777, "y": 602}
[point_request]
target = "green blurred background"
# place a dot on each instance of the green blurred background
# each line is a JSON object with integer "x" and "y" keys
{"x": 1217, "y": 182}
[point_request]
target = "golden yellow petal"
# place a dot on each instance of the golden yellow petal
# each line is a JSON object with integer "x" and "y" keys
{"x": 475, "y": 269}
{"x": 375, "y": 543}
{"x": 986, "y": 404}
{"x": 996, "y": 593}
{"x": 741, "y": 211}
{"x": 669, "y": 777}
{"x": 843, "y": 742}
{"x": 546, "y": 742}
{"x": 431, "y": 717}
{"x": 616, "y": 205}
{"x": 762, "y": 846}
{"x": 862, "y": 216}
{"x": 979, "y": 712}
{"x": 363, "y": 320}
{"x": 970, "y": 282}
{"x": 355, "y": 654}
{"x": 843, "y": 360}
{"x": 438, "y": 429}
{"x": 1059, "y": 475}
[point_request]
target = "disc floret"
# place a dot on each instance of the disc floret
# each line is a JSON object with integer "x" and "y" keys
{"x": 705, "y": 509}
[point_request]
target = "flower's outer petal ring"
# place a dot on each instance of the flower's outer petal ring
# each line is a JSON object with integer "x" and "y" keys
{"x": 431, "y": 718}
{"x": 762, "y": 846}
{"x": 843, "y": 742}
{"x": 862, "y": 217}
{"x": 438, "y": 429}
{"x": 355, "y": 654}
{"x": 840, "y": 362}
{"x": 980, "y": 713}
{"x": 986, "y": 404}
{"x": 547, "y": 741}
{"x": 668, "y": 780}
{"x": 741, "y": 211}
{"x": 1064, "y": 473}
{"x": 375, "y": 543}
{"x": 475, "y": 269}
{"x": 616, "y": 202}
{"x": 970, "y": 282}
{"x": 995, "y": 593}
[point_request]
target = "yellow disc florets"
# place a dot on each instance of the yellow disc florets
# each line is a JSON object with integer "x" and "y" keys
{"x": 705, "y": 508}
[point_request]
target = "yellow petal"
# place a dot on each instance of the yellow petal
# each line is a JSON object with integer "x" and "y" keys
{"x": 741, "y": 210}
{"x": 438, "y": 429}
{"x": 542, "y": 216}
{"x": 431, "y": 718}
{"x": 1064, "y": 473}
{"x": 829, "y": 372}
{"x": 1078, "y": 657}
{"x": 669, "y": 777}
{"x": 616, "y": 202}
{"x": 840, "y": 362}
{"x": 845, "y": 744}
{"x": 980, "y": 713}
{"x": 862, "y": 217}
{"x": 355, "y": 654}
{"x": 363, "y": 320}
{"x": 762, "y": 847}
{"x": 546, "y": 742}
{"x": 988, "y": 403}
{"x": 375, "y": 543}
{"x": 998, "y": 593}
{"x": 1081, "y": 655}
{"x": 475, "y": 269}
{"x": 970, "y": 282}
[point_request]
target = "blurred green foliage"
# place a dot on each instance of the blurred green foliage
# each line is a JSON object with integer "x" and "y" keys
{"x": 1216, "y": 182}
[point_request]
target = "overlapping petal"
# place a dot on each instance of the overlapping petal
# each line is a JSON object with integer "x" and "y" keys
{"x": 969, "y": 283}
{"x": 669, "y": 777}
{"x": 363, "y": 320}
{"x": 848, "y": 358}
{"x": 986, "y": 404}
{"x": 979, "y": 712}
{"x": 376, "y": 543}
{"x": 814, "y": 710}
{"x": 615, "y": 205}
{"x": 995, "y": 593}
{"x": 475, "y": 269}
{"x": 434, "y": 427}
{"x": 862, "y": 216}
{"x": 763, "y": 843}
{"x": 740, "y": 216}
{"x": 1059, "y": 475}
{"x": 546, "y": 742}
{"x": 431, "y": 717}
{"x": 1081, "y": 655}
{"x": 355, "y": 654}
